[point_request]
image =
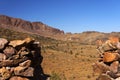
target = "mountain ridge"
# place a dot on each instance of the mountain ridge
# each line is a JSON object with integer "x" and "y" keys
{"x": 39, "y": 28}
{"x": 27, "y": 26}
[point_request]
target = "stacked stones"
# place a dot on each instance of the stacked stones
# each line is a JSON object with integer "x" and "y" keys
{"x": 108, "y": 65}
{"x": 17, "y": 59}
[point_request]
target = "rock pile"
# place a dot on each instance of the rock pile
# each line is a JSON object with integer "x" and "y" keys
{"x": 108, "y": 65}
{"x": 19, "y": 59}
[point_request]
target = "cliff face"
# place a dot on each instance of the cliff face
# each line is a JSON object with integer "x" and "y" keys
{"x": 27, "y": 26}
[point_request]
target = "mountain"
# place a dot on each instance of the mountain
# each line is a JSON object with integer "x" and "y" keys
{"x": 39, "y": 28}
{"x": 58, "y": 56}
{"x": 27, "y": 26}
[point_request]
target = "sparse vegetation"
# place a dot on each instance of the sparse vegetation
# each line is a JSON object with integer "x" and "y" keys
{"x": 55, "y": 76}
{"x": 72, "y": 58}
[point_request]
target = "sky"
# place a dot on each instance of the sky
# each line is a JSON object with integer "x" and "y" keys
{"x": 74, "y": 16}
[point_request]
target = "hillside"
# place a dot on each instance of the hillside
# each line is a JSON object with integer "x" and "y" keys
{"x": 65, "y": 56}
{"x": 39, "y": 28}
{"x": 28, "y": 27}
{"x": 59, "y": 56}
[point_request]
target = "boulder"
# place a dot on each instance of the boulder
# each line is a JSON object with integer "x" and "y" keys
{"x": 23, "y": 71}
{"x": 12, "y": 62}
{"x": 16, "y": 43}
{"x": 5, "y": 73}
{"x": 110, "y": 56}
{"x": 2, "y": 57}
{"x": 28, "y": 40}
{"x": 117, "y": 78}
{"x": 3, "y": 42}
{"x": 26, "y": 63}
{"x": 9, "y": 51}
{"x": 114, "y": 66}
{"x": 18, "y": 78}
{"x": 100, "y": 67}
{"x": 18, "y": 70}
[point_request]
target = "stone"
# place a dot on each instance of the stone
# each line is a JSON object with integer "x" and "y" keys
{"x": 5, "y": 73}
{"x": 26, "y": 63}
{"x": 12, "y": 62}
{"x": 14, "y": 57}
{"x": 114, "y": 66}
{"x": 9, "y": 51}
{"x": 100, "y": 67}
{"x": 2, "y": 57}
{"x": 16, "y": 43}
{"x": 18, "y": 70}
{"x": 28, "y": 40}
{"x": 23, "y": 53}
{"x": 118, "y": 45}
{"x": 117, "y": 78}
{"x": 17, "y": 78}
{"x": 29, "y": 72}
{"x": 109, "y": 57}
{"x": 23, "y": 71}
{"x": 36, "y": 42}
{"x": 3, "y": 42}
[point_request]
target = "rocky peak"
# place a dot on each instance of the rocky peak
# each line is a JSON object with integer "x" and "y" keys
{"x": 22, "y": 25}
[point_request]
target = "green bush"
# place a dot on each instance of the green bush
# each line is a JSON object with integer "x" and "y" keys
{"x": 55, "y": 76}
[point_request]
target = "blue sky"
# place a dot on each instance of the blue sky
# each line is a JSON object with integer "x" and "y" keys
{"x": 73, "y": 16}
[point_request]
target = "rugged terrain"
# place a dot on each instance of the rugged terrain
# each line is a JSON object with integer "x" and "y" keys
{"x": 66, "y": 56}
{"x": 42, "y": 29}
{"x": 61, "y": 60}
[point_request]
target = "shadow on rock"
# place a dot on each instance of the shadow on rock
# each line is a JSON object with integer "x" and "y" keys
{"x": 36, "y": 63}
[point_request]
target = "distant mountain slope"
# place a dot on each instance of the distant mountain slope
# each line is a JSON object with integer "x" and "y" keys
{"x": 39, "y": 28}
{"x": 27, "y": 26}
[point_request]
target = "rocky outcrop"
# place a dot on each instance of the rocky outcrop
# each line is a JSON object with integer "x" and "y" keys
{"x": 27, "y": 26}
{"x": 108, "y": 65}
{"x": 20, "y": 60}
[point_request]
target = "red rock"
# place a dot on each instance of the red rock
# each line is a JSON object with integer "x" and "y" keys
{"x": 18, "y": 78}
{"x": 109, "y": 57}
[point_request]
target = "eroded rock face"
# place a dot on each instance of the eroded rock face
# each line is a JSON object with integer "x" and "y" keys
{"x": 17, "y": 59}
